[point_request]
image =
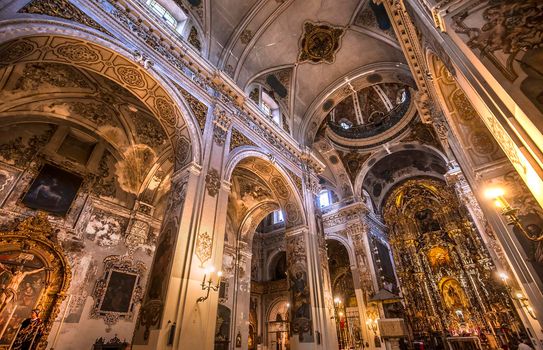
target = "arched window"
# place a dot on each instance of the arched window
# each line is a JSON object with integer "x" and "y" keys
{"x": 170, "y": 13}
{"x": 162, "y": 13}
{"x": 325, "y": 198}
{"x": 266, "y": 102}
{"x": 270, "y": 108}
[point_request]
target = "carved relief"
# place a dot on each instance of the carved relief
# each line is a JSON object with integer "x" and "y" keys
{"x": 35, "y": 75}
{"x": 15, "y": 51}
{"x": 246, "y": 36}
{"x": 213, "y": 182}
{"x": 81, "y": 53}
{"x": 509, "y": 27}
{"x": 238, "y": 139}
{"x": 198, "y": 108}
{"x": 193, "y": 39}
{"x": 61, "y": 9}
{"x": 105, "y": 229}
{"x": 20, "y": 152}
{"x": 204, "y": 247}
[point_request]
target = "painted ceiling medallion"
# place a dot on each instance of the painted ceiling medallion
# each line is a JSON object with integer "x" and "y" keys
{"x": 319, "y": 42}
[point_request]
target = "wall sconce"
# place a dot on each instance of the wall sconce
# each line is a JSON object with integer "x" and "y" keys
{"x": 207, "y": 286}
{"x": 496, "y": 195}
{"x": 523, "y": 301}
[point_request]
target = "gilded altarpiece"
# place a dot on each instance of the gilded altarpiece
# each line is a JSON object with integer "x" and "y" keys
{"x": 448, "y": 280}
{"x": 34, "y": 275}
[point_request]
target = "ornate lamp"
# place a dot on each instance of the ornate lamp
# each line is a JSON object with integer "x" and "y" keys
{"x": 207, "y": 286}
{"x": 496, "y": 195}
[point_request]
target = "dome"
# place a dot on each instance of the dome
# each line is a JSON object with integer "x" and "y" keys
{"x": 369, "y": 111}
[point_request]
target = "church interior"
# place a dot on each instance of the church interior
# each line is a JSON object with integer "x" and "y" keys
{"x": 271, "y": 174}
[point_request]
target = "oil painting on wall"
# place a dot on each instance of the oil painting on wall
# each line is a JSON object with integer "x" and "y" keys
{"x": 53, "y": 190}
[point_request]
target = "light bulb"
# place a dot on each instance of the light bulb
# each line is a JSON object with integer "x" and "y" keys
{"x": 493, "y": 193}
{"x": 503, "y": 276}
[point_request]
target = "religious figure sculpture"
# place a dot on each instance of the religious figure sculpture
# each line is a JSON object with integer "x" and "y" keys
{"x": 29, "y": 333}
{"x": 8, "y": 291}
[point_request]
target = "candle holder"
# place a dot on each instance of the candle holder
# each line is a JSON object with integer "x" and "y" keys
{"x": 208, "y": 285}
{"x": 496, "y": 195}
{"x": 523, "y": 301}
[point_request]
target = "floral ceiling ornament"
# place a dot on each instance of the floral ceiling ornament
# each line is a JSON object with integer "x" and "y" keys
{"x": 213, "y": 182}
{"x": 319, "y": 43}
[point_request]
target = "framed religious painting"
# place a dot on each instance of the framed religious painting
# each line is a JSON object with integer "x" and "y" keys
{"x": 33, "y": 272}
{"x": 53, "y": 190}
{"x": 119, "y": 289}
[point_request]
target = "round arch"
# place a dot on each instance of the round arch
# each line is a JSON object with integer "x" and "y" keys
{"x": 345, "y": 243}
{"x": 272, "y": 173}
{"x": 366, "y": 167}
{"x": 22, "y": 42}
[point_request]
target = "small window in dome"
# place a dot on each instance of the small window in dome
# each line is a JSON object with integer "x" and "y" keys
{"x": 324, "y": 198}
{"x": 162, "y": 13}
{"x": 278, "y": 216}
{"x": 345, "y": 124}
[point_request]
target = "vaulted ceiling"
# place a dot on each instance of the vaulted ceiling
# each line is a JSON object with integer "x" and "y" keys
{"x": 319, "y": 46}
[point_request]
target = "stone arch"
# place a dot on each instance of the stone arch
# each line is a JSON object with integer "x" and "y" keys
{"x": 287, "y": 195}
{"x": 275, "y": 305}
{"x": 253, "y": 218}
{"x": 87, "y": 51}
{"x": 365, "y": 168}
{"x": 76, "y": 101}
{"x": 347, "y": 244}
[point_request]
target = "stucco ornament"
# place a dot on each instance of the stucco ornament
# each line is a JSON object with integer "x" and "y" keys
{"x": 319, "y": 43}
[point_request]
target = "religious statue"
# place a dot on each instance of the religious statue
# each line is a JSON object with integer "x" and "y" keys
{"x": 29, "y": 332}
{"x": 8, "y": 291}
{"x": 452, "y": 298}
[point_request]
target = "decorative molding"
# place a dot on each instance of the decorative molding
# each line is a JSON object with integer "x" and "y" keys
{"x": 220, "y": 126}
{"x": 61, "y": 9}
